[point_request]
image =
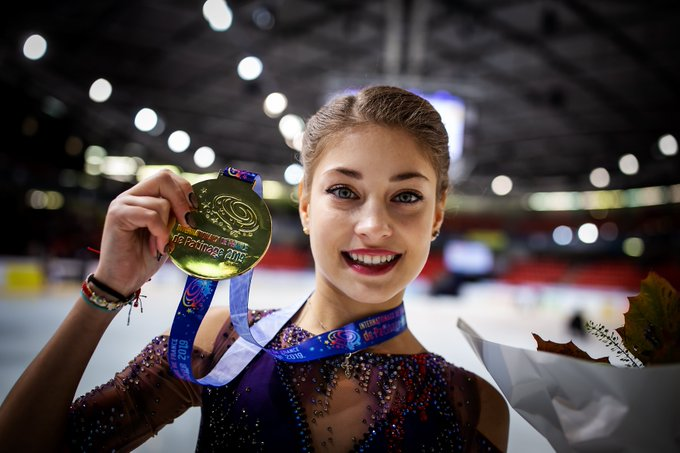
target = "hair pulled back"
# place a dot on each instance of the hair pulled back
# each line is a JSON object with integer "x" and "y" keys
{"x": 384, "y": 106}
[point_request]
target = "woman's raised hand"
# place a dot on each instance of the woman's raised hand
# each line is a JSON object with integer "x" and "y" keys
{"x": 137, "y": 227}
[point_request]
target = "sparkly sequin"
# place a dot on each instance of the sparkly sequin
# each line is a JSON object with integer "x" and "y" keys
{"x": 386, "y": 402}
{"x": 390, "y": 402}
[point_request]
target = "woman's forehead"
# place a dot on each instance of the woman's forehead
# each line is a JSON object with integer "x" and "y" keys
{"x": 376, "y": 146}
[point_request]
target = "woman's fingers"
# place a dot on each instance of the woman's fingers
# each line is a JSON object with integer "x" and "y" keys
{"x": 137, "y": 226}
{"x": 145, "y": 212}
{"x": 171, "y": 187}
{"x": 166, "y": 194}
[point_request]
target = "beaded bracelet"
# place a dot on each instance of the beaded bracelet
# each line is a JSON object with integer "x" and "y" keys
{"x": 104, "y": 303}
{"x": 107, "y": 289}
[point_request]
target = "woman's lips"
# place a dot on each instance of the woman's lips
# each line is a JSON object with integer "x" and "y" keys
{"x": 371, "y": 262}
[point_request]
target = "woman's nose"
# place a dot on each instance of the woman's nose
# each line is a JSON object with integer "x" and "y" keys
{"x": 373, "y": 221}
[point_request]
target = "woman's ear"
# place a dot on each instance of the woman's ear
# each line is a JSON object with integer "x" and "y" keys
{"x": 303, "y": 205}
{"x": 439, "y": 212}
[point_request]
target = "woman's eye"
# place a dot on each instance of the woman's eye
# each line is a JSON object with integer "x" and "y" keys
{"x": 342, "y": 192}
{"x": 407, "y": 197}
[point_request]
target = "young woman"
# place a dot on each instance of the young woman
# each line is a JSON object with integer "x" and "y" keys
{"x": 372, "y": 200}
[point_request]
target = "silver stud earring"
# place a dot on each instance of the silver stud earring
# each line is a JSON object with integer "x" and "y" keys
{"x": 435, "y": 234}
{"x": 305, "y": 230}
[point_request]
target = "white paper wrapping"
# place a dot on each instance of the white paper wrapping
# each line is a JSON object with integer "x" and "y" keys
{"x": 582, "y": 406}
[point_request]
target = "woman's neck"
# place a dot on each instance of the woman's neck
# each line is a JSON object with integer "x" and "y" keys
{"x": 324, "y": 312}
{"x": 330, "y": 311}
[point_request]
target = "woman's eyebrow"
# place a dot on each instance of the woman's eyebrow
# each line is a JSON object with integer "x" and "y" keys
{"x": 358, "y": 175}
{"x": 347, "y": 172}
{"x": 408, "y": 175}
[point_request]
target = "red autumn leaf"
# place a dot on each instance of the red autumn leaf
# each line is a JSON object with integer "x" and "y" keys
{"x": 569, "y": 349}
{"x": 651, "y": 331}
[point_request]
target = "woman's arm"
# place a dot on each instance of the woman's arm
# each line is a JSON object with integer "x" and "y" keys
{"x": 39, "y": 401}
{"x": 34, "y": 415}
{"x": 494, "y": 417}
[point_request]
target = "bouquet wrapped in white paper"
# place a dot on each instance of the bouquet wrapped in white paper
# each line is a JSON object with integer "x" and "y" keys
{"x": 582, "y": 405}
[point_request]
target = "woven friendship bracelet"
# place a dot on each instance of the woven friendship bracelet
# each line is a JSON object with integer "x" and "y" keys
{"x": 106, "y": 288}
{"x": 102, "y": 302}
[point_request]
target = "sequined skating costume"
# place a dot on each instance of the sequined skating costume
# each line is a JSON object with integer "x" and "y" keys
{"x": 365, "y": 402}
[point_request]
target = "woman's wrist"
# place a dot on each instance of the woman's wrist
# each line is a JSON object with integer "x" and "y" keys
{"x": 112, "y": 284}
{"x": 106, "y": 290}
{"x": 101, "y": 296}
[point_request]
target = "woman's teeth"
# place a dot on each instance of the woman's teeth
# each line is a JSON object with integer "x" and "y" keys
{"x": 371, "y": 259}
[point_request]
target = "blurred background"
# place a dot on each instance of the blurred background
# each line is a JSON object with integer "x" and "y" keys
{"x": 563, "y": 118}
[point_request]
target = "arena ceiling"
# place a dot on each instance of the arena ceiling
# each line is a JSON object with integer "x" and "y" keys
{"x": 552, "y": 89}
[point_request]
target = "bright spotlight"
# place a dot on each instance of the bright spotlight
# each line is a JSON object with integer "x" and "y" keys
{"x": 100, "y": 90}
{"x": 204, "y": 157}
{"x": 249, "y": 68}
{"x": 179, "y": 141}
{"x": 628, "y": 164}
{"x": 275, "y": 104}
{"x": 588, "y": 233}
{"x": 218, "y": 14}
{"x": 501, "y": 185}
{"x": 293, "y": 174}
{"x": 599, "y": 177}
{"x": 290, "y": 125}
{"x": 35, "y": 47}
{"x": 146, "y": 119}
{"x": 668, "y": 145}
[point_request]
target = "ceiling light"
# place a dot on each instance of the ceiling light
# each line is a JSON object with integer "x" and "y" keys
{"x": 179, "y": 141}
{"x": 275, "y": 104}
{"x": 293, "y": 174}
{"x": 588, "y": 233}
{"x": 218, "y": 14}
{"x": 599, "y": 177}
{"x": 146, "y": 119}
{"x": 204, "y": 156}
{"x": 290, "y": 125}
{"x": 628, "y": 164}
{"x": 668, "y": 145}
{"x": 562, "y": 235}
{"x": 501, "y": 185}
{"x": 249, "y": 68}
{"x": 35, "y": 47}
{"x": 100, "y": 90}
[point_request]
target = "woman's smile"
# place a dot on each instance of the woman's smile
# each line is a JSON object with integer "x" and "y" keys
{"x": 371, "y": 261}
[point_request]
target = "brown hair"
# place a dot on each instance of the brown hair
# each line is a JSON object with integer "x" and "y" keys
{"x": 382, "y": 105}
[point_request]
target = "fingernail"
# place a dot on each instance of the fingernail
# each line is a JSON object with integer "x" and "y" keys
{"x": 192, "y": 200}
{"x": 190, "y": 219}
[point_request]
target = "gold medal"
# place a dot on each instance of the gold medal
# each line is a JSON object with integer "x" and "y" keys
{"x": 233, "y": 231}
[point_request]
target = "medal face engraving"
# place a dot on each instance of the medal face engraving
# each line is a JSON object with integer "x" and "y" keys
{"x": 233, "y": 231}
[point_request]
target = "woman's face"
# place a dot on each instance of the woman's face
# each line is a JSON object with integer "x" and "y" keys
{"x": 371, "y": 210}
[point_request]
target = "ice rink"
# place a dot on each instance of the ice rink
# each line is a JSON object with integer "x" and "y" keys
{"x": 502, "y": 313}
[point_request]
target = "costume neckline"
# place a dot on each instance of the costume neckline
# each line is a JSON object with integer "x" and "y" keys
{"x": 308, "y": 334}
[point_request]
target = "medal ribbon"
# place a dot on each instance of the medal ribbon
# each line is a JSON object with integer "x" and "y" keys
{"x": 198, "y": 294}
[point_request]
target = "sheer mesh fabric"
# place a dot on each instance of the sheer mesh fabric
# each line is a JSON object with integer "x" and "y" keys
{"x": 389, "y": 403}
